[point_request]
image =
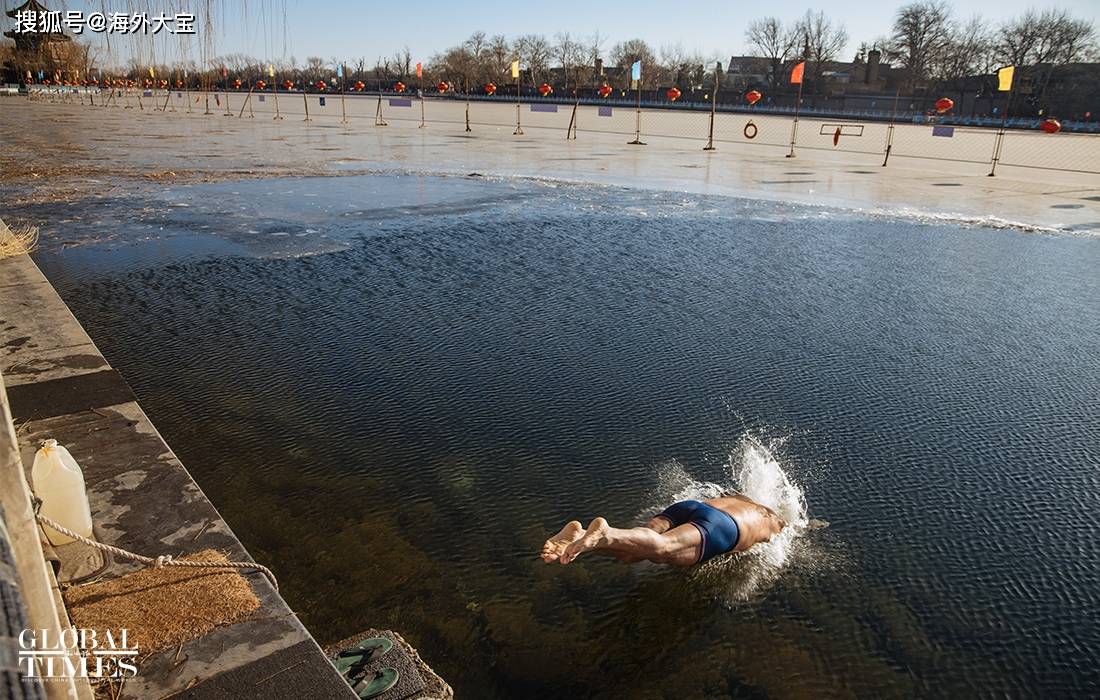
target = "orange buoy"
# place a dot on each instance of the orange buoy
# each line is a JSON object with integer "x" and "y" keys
{"x": 321, "y": 85}
{"x": 673, "y": 93}
{"x": 399, "y": 86}
{"x": 287, "y": 84}
{"x": 1051, "y": 126}
{"x": 490, "y": 88}
{"x": 752, "y": 97}
{"x": 442, "y": 86}
{"x": 605, "y": 90}
{"x": 944, "y": 104}
{"x": 545, "y": 89}
{"x": 260, "y": 85}
{"x": 237, "y": 84}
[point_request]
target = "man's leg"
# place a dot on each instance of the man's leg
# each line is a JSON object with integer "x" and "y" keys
{"x": 678, "y": 546}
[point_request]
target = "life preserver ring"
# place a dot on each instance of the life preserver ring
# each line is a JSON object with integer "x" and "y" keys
{"x": 750, "y": 134}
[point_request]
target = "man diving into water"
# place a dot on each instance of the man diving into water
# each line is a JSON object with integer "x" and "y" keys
{"x": 684, "y": 534}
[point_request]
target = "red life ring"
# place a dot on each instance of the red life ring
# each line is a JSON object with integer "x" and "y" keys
{"x": 752, "y": 126}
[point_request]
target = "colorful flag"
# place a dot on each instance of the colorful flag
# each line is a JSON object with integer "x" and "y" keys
{"x": 1004, "y": 78}
{"x": 796, "y": 73}
{"x": 419, "y": 71}
{"x": 636, "y": 70}
{"x": 151, "y": 73}
{"x": 340, "y": 71}
{"x": 515, "y": 68}
{"x": 270, "y": 71}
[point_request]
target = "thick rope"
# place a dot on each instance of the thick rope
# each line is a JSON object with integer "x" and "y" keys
{"x": 163, "y": 560}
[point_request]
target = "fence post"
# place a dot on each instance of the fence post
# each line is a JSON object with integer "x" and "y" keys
{"x": 794, "y": 125}
{"x": 343, "y": 93}
{"x": 713, "y": 105}
{"x": 247, "y": 103}
{"x": 890, "y": 129}
{"x": 997, "y": 150}
{"x": 1001, "y": 132}
{"x": 423, "y": 122}
{"x": 519, "y": 127}
{"x": 378, "y": 120}
{"x": 638, "y": 119}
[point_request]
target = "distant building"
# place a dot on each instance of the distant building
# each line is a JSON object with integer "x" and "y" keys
{"x": 47, "y": 52}
{"x": 745, "y": 71}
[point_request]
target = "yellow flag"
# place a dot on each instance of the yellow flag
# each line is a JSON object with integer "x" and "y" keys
{"x": 151, "y": 73}
{"x": 515, "y": 68}
{"x": 1004, "y": 78}
{"x": 270, "y": 71}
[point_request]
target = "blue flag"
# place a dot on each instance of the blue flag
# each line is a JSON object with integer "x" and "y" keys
{"x": 340, "y": 71}
{"x": 636, "y": 71}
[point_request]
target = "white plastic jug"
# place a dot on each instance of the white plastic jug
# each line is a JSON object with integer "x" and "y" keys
{"x": 59, "y": 482}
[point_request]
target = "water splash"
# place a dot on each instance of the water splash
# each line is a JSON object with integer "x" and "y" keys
{"x": 755, "y": 469}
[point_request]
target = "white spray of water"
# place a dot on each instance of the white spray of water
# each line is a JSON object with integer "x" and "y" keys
{"x": 754, "y": 470}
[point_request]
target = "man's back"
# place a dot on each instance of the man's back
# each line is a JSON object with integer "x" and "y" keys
{"x": 756, "y": 522}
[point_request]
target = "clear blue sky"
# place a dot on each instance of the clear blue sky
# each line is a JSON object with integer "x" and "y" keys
{"x": 353, "y": 28}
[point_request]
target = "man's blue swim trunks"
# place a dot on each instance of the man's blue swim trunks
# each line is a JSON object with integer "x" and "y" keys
{"x": 718, "y": 528}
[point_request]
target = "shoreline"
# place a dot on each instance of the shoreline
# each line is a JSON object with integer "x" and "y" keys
{"x": 231, "y": 149}
{"x": 142, "y": 498}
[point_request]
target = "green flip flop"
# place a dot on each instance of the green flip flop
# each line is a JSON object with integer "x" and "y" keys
{"x": 361, "y": 654}
{"x": 376, "y": 683}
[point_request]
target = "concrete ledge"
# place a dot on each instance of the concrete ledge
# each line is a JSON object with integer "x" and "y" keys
{"x": 144, "y": 500}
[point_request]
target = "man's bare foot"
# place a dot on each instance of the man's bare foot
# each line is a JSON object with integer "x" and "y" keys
{"x": 554, "y": 546}
{"x": 593, "y": 537}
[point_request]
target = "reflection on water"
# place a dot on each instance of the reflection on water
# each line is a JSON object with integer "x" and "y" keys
{"x": 395, "y": 388}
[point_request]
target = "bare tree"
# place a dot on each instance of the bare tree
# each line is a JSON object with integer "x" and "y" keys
{"x": 314, "y": 69}
{"x": 456, "y": 66}
{"x": 821, "y": 42}
{"x": 625, "y": 53}
{"x": 499, "y": 57}
{"x": 680, "y": 67}
{"x": 402, "y": 63}
{"x": 967, "y": 53}
{"x": 478, "y": 47}
{"x": 591, "y": 54}
{"x": 383, "y": 69}
{"x": 534, "y": 54}
{"x": 1045, "y": 41}
{"x": 569, "y": 54}
{"x": 772, "y": 41}
{"x": 921, "y": 34}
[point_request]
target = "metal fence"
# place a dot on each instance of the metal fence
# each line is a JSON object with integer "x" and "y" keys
{"x": 690, "y": 127}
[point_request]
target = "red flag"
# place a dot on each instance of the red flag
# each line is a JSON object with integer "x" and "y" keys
{"x": 796, "y": 73}
{"x": 419, "y": 71}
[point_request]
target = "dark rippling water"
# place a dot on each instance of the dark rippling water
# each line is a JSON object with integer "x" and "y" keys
{"x": 394, "y": 388}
